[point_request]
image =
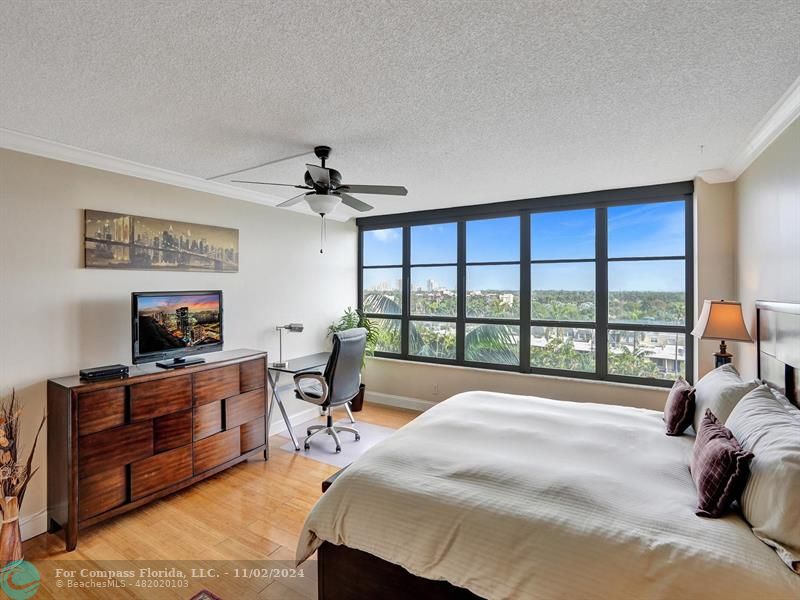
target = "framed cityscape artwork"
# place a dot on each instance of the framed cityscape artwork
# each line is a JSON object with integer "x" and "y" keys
{"x": 120, "y": 241}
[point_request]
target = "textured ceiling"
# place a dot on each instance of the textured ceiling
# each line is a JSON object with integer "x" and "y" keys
{"x": 461, "y": 102}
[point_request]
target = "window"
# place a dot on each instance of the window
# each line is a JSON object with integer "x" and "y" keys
{"x": 381, "y": 293}
{"x": 434, "y": 290}
{"x": 563, "y": 273}
{"x": 590, "y": 285}
{"x": 647, "y": 290}
{"x": 491, "y": 333}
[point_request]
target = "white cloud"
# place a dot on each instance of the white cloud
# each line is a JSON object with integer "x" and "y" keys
{"x": 386, "y": 235}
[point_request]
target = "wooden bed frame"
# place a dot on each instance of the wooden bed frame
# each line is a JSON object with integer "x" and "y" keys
{"x": 347, "y": 573}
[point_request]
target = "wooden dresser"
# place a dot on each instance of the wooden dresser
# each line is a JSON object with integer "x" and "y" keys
{"x": 115, "y": 445}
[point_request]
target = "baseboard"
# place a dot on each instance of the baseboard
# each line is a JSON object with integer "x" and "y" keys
{"x": 279, "y": 426}
{"x": 398, "y": 401}
{"x": 33, "y": 525}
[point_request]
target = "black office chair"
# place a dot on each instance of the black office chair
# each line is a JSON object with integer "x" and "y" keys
{"x": 338, "y": 385}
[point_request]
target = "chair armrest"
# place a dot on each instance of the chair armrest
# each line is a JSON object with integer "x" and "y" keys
{"x": 319, "y": 379}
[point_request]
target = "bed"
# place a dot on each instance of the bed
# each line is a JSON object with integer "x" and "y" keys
{"x": 497, "y": 496}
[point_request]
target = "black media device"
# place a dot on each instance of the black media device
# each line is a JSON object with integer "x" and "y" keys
{"x": 169, "y": 327}
{"x": 107, "y": 372}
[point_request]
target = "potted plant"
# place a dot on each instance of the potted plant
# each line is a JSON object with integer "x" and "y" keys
{"x": 350, "y": 319}
{"x": 15, "y": 476}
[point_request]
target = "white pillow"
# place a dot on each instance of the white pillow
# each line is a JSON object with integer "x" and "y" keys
{"x": 719, "y": 390}
{"x": 783, "y": 399}
{"x": 771, "y": 499}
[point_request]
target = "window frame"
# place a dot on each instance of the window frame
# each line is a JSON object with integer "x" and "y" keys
{"x": 523, "y": 209}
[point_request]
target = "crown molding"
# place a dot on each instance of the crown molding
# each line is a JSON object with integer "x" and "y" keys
{"x": 31, "y": 144}
{"x": 782, "y": 114}
{"x": 717, "y": 176}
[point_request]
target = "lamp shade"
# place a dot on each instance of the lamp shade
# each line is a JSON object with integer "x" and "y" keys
{"x": 293, "y": 327}
{"x": 721, "y": 320}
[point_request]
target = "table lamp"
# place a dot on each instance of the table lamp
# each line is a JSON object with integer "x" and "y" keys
{"x": 721, "y": 320}
{"x": 294, "y": 328}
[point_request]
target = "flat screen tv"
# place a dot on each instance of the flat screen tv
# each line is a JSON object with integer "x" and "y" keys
{"x": 174, "y": 325}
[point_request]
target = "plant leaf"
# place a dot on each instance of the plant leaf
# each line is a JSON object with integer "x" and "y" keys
{"x": 29, "y": 463}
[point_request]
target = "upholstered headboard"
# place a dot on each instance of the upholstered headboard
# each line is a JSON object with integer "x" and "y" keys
{"x": 778, "y": 345}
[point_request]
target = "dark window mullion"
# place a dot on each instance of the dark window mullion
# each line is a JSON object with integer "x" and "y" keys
{"x": 406, "y": 292}
{"x": 644, "y": 258}
{"x": 431, "y": 265}
{"x": 688, "y": 347}
{"x": 461, "y": 289}
{"x": 491, "y": 321}
{"x": 495, "y": 263}
{"x": 550, "y": 261}
{"x": 568, "y": 324}
{"x": 655, "y": 328}
{"x": 601, "y": 293}
{"x": 525, "y": 292}
{"x": 367, "y": 267}
{"x": 433, "y": 318}
{"x": 360, "y": 275}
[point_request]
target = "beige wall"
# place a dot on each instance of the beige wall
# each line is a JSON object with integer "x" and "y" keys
{"x": 56, "y": 317}
{"x": 768, "y": 233}
{"x": 715, "y": 257}
{"x": 434, "y": 383}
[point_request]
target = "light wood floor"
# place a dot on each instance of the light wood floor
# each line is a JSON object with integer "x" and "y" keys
{"x": 251, "y": 512}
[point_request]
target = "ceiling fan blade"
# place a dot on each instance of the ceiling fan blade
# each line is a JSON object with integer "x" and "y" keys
{"x": 301, "y": 187}
{"x": 388, "y": 190}
{"x": 355, "y": 203}
{"x": 291, "y": 201}
{"x": 320, "y": 175}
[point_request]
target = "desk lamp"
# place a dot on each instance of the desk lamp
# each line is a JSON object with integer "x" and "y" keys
{"x": 292, "y": 327}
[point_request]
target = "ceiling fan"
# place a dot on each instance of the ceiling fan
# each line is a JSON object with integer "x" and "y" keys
{"x": 326, "y": 190}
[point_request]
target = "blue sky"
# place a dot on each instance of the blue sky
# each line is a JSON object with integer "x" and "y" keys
{"x": 637, "y": 230}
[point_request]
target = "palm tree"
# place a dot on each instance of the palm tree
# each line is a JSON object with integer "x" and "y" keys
{"x": 483, "y": 343}
{"x": 492, "y": 344}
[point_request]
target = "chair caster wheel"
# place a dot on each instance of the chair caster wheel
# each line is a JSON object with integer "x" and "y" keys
{"x": 338, "y": 449}
{"x": 358, "y": 437}
{"x": 307, "y": 447}
{"x": 308, "y": 432}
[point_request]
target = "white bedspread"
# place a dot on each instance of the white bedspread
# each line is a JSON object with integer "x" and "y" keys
{"x": 522, "y": 497}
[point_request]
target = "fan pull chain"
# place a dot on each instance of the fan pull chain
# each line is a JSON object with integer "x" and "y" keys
{"x": 323, "y": 235}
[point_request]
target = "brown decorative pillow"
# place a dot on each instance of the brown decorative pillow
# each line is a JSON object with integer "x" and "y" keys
{"x": 720, "y": 467}
{"x": 679, "y": 411}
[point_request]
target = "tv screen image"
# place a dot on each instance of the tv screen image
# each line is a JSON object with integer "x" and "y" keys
{"x": 174, "y": 324}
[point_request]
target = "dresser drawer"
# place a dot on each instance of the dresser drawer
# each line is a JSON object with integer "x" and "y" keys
{"x": 252, "y": 375}
{"x": 252, "y": 434}
{"x": 215, "y": 450}
{"x": 101, "y": 492}
{"x": 160, "y": 397}
{"x": 114, "y": 448}
{"x": 101, "y": 410}
{"x": 216, "y": 384}
{"x": 171, "y": 431}
{"x": 160, "y": 471}
{"x": 244, "y": 407}
{"x": 207, "y": 420}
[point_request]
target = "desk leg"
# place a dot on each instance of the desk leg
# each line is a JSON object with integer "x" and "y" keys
{"x": 277, "y": 399}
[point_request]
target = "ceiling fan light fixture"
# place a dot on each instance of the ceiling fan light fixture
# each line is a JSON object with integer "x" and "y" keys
{"x": 323, "y": 204}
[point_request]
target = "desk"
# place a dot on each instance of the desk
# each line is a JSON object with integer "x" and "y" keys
{"x": 301, "y": 364}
